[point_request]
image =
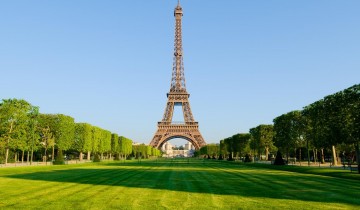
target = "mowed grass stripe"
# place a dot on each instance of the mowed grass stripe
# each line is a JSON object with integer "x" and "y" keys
{"x": 35, "y": 189}
{"x": 204, "y": 181}
{"x": 64, "y": 184}
{"x": 171, "y": 184}
{"x": 134, "y": 177}
{"x": 186, "y": 187}
{"x": 88, "y": 196}
{"x": 293, "y": 185}
{"x": 302, "y": 186}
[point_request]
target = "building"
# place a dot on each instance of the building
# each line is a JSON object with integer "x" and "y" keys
{"x": 171, "y": 151}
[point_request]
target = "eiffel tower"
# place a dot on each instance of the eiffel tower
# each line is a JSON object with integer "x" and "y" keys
{"x": 178, "y": 96}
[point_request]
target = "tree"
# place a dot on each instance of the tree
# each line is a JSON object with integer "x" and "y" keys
{"x": 83, "y": 138}
{"x": 327, "y": 120}
{"x": 115, "y": 149}
{"x": 47, "y": 130}
{"x": 210, "y": 150}
{"x": 63, "y": 129}
{"x": 230, "y": 147}
{"x": 316, "y": 130}
{"x": 64, "y": 132}
{"x": 262, "y": 139}
{"x": 334, "y": 122}
{"x": 342, "y": 118}
{"x": 125, "y": 145}
{"x": 223, "y": 151}
{"x": 104, "y": 142}
{"x": 236, "y": 144}
{"x": 297, "y": 130}
{"x": 95, "y": 140}
{"x": 213, "y": 150}
{"x": 32, "y": 131}
{"x": 143, "y": 150}
{"x": 13, "y": 123}
{"x": 204, "y": 150}
{"x": 137, "y": 149}
{"x": 47, "y": 139}
{"x": 148, "y": 151}
{"x": 351, "y": 113}
{"x": 283, "y": 133}
{"x": 241, "y": 142}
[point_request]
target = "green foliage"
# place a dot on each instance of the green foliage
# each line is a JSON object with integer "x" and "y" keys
{"x": 223, "y": 150}
{"x": 47, "y": 138}
{"x": 96, "y": 135}
{"x": 63, "y": 128}
{"x": 15, "y": 118}
{"x": 262, "y": 139}
{"x": 235, "y": 145}
{"x": 204, "y": 150}
{"x": 115, "y": 149}
{"x": 197, "y": 153}
{"x": 155, "y": 152}
{"x": 83, "y": 137}
{"x": 105, "y": 141}
{"x": 125, "y": 145}
{"x": 241, "y": 142}
{"x": 211, "y": 150}
{"x": 335, "y": 119}
{"x": 23, "y": 128}
{"x": 101, "y": 140}
{"x": 289, "y": 130}
{"x": 137, "y": 151}
{"x": 142, "y": 151}
{"x": 148, "y": 151}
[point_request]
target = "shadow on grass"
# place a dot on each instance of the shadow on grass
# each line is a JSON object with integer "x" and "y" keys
{"x": 331, "y": 172}
{"x": 206, "y": 177}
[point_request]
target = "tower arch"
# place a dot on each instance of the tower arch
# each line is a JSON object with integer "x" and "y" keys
{"x": 181, "y": 136}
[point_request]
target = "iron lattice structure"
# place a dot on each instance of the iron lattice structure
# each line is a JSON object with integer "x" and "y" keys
{"x": 189, "y": 129}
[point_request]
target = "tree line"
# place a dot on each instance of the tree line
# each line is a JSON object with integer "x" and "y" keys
{"x": 25, "y": 133}
{"x": 326, "y": 129}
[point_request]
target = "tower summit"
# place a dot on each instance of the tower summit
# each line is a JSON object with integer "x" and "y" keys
{"x": 178, "y": 96}
{"x": 178, "y": 77}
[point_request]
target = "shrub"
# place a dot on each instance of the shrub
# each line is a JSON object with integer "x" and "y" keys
{"x": 96, "y": 158}
{"x": 247, "y": 158}
{"x": 221, "y": 157}
{"x": 59, "y": 160}
{"x": 279, "y": 160}
{"x": 230, "y": 158}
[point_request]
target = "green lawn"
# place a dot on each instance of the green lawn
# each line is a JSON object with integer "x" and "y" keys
{"x": 174, "y": 184}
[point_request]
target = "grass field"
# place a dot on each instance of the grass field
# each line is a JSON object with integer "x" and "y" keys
{"x": 175, "y": 184}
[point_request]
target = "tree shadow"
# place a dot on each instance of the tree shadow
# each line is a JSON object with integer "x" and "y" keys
{"x": 208, "y": 178}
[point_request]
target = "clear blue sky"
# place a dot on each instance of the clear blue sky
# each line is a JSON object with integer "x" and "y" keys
{"x": 109, "y": 63}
